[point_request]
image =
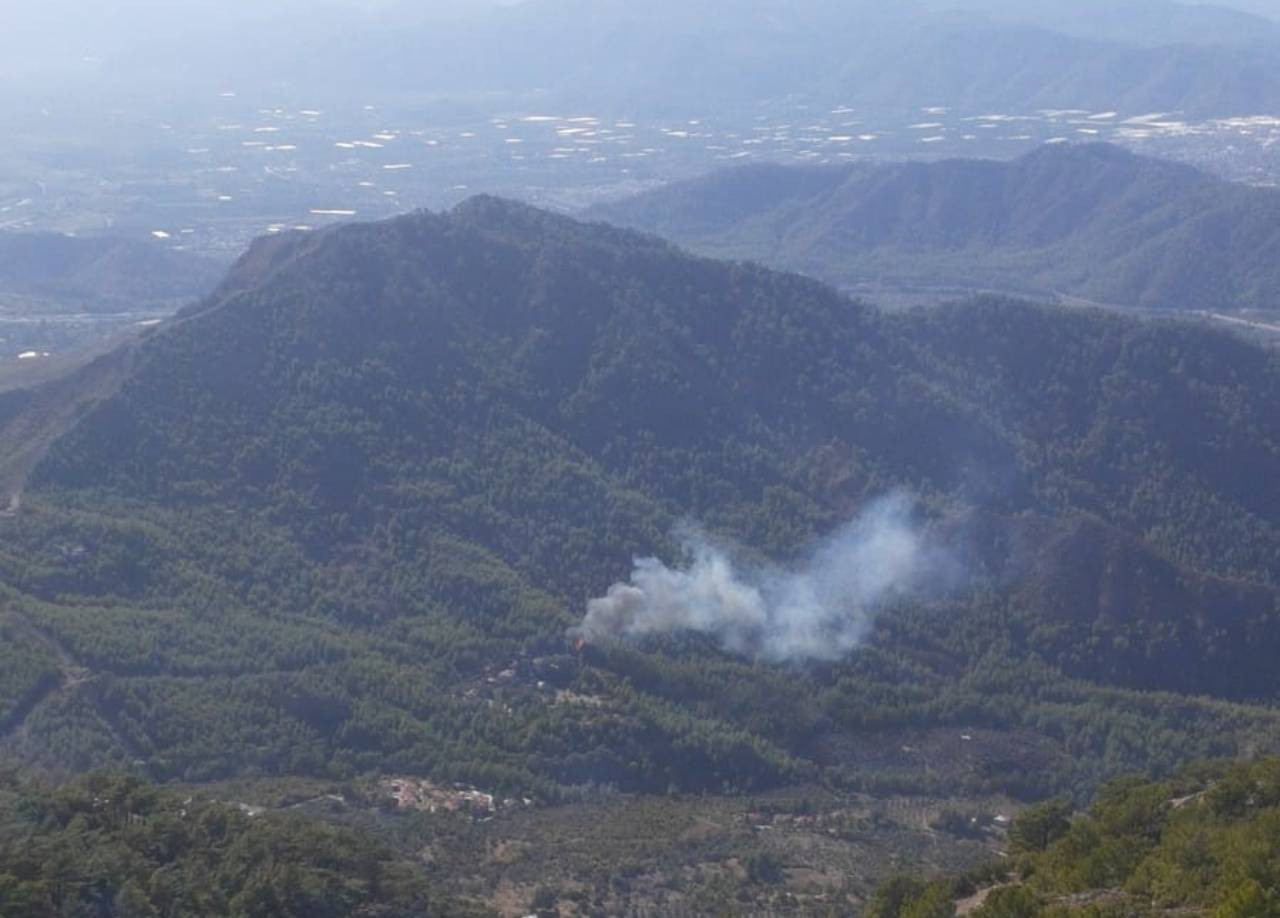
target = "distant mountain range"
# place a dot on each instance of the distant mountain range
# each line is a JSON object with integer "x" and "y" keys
{"x": 617, "y": 57}
{"x": 609, "y": 57}
{"x": 1134, "y": 22}
{"x": 1263, "y": 8}
{"x": 50, "y": 272}
{"x": 1092, "y": 221}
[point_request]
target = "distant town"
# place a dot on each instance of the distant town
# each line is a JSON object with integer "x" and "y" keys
{"x": 246, "y": 166}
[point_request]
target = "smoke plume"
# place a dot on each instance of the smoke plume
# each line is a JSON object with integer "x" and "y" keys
{"x": 820, "y": 609}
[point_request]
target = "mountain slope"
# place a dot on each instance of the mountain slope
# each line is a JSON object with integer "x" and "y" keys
{"x": 339, "y": 518}
{"x": 123, "y": 848}
{"x": 1201, "y": 842}
{"x": 1092, "y": 221}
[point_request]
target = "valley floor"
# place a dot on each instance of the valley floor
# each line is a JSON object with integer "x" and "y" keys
{"x": 799, "y": 851}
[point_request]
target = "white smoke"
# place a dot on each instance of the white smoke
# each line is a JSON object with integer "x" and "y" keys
{"x": 819, "y": 610}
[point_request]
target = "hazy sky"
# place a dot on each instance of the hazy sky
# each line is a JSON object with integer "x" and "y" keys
{"x": 33, "y": 28}
{"x": 80, "y": 24}
{"x": 43, "y": 40}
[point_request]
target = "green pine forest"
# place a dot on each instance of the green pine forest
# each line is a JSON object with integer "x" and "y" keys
{"x": 1204, "y": 841}
{"x": 338, "y": 520}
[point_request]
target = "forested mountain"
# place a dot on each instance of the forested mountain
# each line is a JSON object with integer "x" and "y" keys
{"x": 338, "y": 519}
{"x": 50, "y": 272}
{"x": 1202, "y": 842}
{"x": 112, "y": 846}
{"x": 1092, "y": 220}
{"x": 668, "y": 559}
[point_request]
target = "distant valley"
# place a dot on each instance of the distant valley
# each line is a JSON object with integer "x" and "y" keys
{"x": 315, "y": 125}
{"x": 61, "y": 293}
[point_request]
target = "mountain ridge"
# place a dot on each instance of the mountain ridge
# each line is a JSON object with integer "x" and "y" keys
{"x": 1090, "y": 220}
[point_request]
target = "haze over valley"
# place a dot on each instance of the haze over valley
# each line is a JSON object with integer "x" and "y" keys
{"x": 265, "y": 122}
